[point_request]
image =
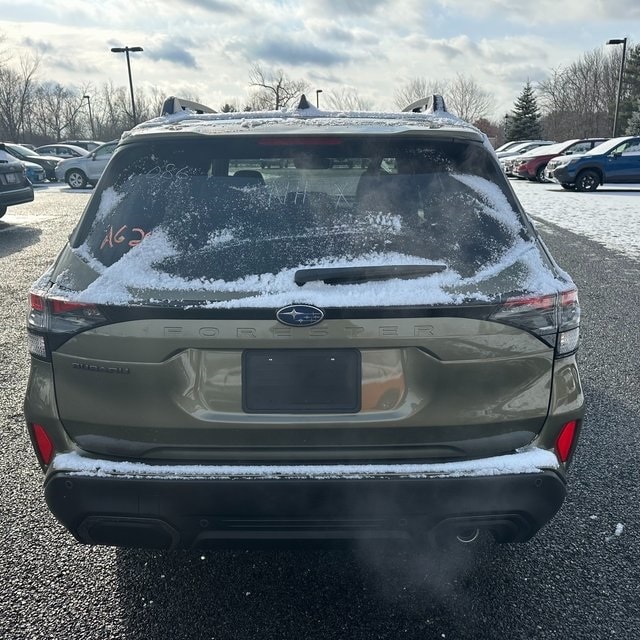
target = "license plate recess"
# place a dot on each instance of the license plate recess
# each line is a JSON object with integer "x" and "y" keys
{"x": 301, "y": 380}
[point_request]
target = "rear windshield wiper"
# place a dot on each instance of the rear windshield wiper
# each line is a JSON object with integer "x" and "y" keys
{"x": 354, "y": 275}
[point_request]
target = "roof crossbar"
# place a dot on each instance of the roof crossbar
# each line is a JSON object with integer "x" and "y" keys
{"x": 430, "y": 104}
{"x": 176, "y": 105}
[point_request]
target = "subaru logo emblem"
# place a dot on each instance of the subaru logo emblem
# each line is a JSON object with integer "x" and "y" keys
{"x": 300, "y": 315}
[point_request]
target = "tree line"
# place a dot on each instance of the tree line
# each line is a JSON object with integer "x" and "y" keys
{"x": 577, "y": 100}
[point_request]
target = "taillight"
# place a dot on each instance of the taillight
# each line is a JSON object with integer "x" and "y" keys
{"x": 43, "y": 444}
{"x": 554, "y": 318}
{"x": 565, "y": 440}
{"x": 56, "y": 319}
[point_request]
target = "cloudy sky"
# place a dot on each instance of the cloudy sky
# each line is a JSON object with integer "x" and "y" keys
{"x": 206, "y": 47}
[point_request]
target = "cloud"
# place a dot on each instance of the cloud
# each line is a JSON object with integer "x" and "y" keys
{"x": 289, "y": 52}
{"x": 549, "y": 11}
{"x": 74, "y": 66}
{"x": 174, "y": 51}
{"x": 213, "y": 6}
{"x": 358, "y": 7}
{"x": 39, "y": 45}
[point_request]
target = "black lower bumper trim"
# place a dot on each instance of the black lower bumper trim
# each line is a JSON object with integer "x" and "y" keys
{"x": 195, "y": 513}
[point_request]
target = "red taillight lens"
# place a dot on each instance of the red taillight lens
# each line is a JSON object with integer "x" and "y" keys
{"x": 44, "y": 445}
{"x": 36, "y": 301}
{"x": 554, "y": 318}
{"x": 63, "y": 306}
{"x": 565, "y": 440}
{"x": 57, "y": 318}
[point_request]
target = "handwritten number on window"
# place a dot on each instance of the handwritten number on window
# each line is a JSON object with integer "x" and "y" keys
{"x": 132, "y": 237}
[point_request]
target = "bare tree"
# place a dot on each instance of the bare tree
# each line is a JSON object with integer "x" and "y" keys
{"x": 16, "y": 93}
{"x": 417, "y": 88}
{"x": 54, "y": 112}
{"x": 466, "y": 99}
{"x": 347, "y": 99}
{"x": 578, "y": 100}
{"x": 274, "y": 89}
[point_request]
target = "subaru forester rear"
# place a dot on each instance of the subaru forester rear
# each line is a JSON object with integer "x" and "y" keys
{"x": 303, "y": 326}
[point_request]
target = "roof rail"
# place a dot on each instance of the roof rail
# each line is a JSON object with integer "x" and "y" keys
{"x": 431, "y": 104}
{"x": 176, "y": 105}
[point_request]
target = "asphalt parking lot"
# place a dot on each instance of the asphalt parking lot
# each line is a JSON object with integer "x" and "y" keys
{"x": 578, "y": 579}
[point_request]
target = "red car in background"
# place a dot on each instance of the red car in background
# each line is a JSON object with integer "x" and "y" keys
{"x": 533, "y": 164}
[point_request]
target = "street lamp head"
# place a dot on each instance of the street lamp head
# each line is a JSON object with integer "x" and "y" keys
{"x": 86, "y": 97}
{"x": 123, "y": 49}
{"x": 617, "y": 41}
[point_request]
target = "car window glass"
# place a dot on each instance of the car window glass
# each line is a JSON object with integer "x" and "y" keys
{"x": 24, "y": 151}
{"x": 630, "y": 147}
{"x": 238, "y": 208}
{"x": 580, "y": 147}
{"x": 104, "y": 151}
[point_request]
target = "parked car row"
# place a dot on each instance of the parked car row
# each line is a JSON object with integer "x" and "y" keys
{"x": 22, "y": 167}
{"x": 581, "y": 164}
{"x": 41, "y": 163}
{"x": 85, "y": 170}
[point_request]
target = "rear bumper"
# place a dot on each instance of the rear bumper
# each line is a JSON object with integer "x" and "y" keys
{"x": 196, "y": 506}
{"x": 20, "y": 195}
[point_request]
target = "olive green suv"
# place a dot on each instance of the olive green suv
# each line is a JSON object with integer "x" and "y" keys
{"x": 303, "y": 326}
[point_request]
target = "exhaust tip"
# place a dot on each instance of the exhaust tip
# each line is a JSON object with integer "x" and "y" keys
{"x": 467, "y": 536}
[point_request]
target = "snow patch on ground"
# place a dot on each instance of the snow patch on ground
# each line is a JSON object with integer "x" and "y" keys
{"x": 609, "y": 215}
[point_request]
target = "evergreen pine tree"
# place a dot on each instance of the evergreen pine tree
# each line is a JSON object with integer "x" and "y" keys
{"x": 633, "y": 124}
{"x": 630, "y": 87}
{"x": 524, "y": 122}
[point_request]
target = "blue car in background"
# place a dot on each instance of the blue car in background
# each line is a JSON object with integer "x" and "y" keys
{"x": 35, "y": 172}
{"x": 616, "y": 161}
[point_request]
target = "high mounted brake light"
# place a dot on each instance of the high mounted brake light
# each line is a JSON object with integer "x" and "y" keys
{"x": 60, "y": 318}
{"x": 554, "y": 318}
{"x": 311, "y": 141}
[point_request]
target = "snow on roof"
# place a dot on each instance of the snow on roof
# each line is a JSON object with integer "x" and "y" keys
{"x": 294, "y": 120}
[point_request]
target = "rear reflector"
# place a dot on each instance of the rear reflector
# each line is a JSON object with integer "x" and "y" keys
{"x": 44, "y": 445}
{"x": 565, "y": 440}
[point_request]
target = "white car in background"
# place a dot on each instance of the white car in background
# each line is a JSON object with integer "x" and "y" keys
{"x": 63, "y": 151}
{"x": 523, "y": 148}
{"x": 85, "y": 170}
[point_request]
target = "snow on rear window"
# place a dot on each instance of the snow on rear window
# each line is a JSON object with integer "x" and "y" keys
{"x": 233, "y": 231}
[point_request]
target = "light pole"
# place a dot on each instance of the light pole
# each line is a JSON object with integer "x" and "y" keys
{"x": 623, "y": 42}
{"x": 93, "y": 132}
{"x": 318, "y": 92}
{"x": 126, "y": 50}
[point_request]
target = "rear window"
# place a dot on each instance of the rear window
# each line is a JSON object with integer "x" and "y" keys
{"x": 229, "y": 208}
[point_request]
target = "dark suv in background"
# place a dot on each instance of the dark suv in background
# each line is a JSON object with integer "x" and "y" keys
{"x": 303, "y": 326}
{"x": 15, "y": 188}
{"x": 616, "y": 161}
